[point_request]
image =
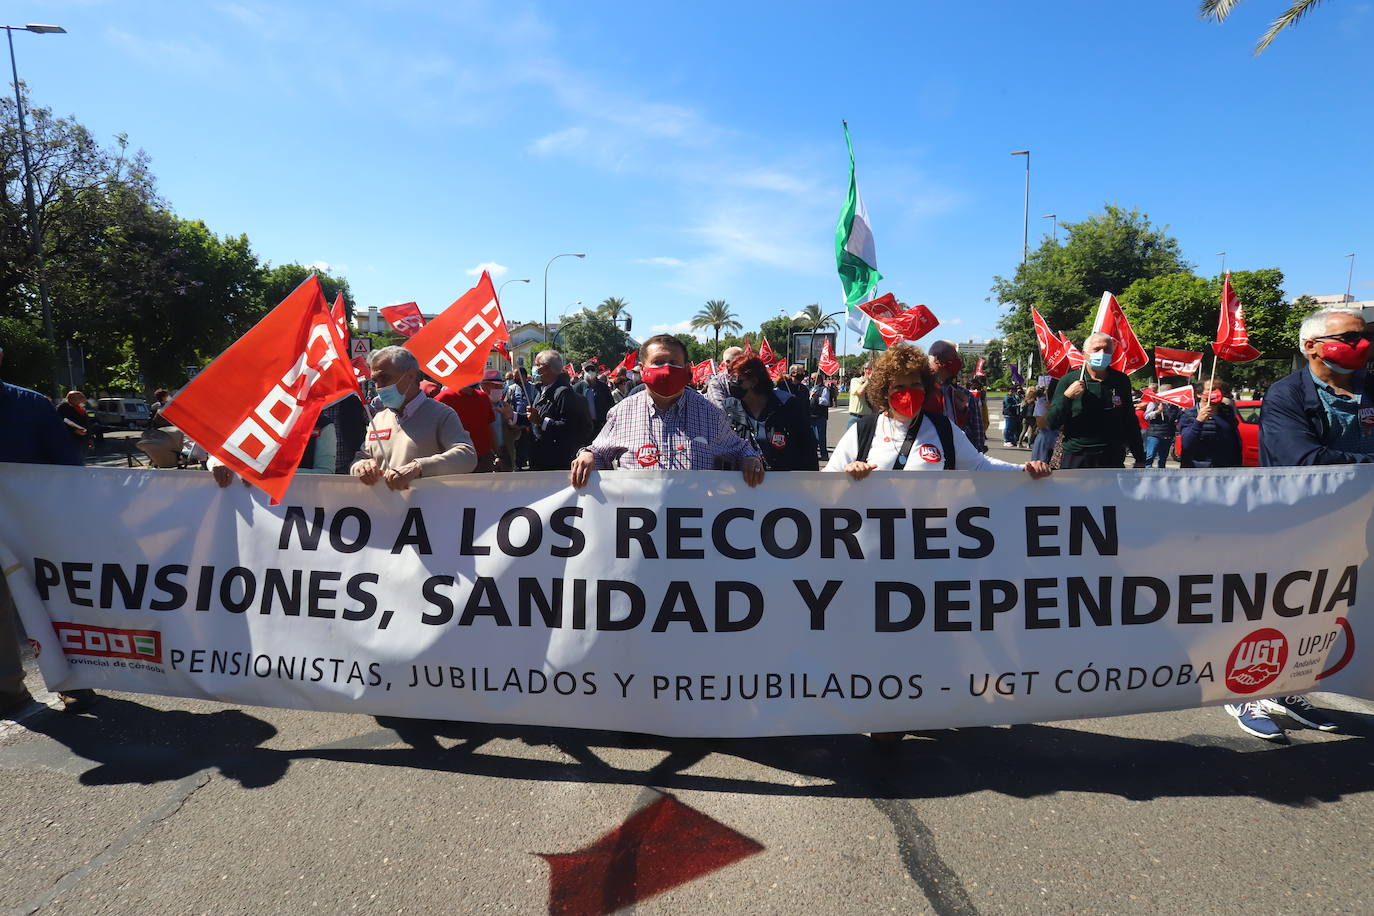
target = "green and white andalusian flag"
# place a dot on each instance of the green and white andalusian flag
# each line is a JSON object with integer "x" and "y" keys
{"x": 856, "y": 260}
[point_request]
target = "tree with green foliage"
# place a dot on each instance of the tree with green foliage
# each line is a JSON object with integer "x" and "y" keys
{"x": 717, "y": 316}
{"x": 1181, "y": 310}
{"x": 586, "y": 335}
{"x": 613, "y": 308}
{"x": 28, "y": 357}
{"x": 696, "y": 350}
{"x": 1064, "y": 279}
{"x": 811, "y": 317}
{"x": 1219, "y": 10}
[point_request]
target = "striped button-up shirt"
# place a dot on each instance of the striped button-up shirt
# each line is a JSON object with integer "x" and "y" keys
{"x": 693, "y": 434}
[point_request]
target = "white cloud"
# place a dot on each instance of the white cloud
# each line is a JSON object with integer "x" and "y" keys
{"x": 660, "y": 262}
{"x": 566, "y": 141}
{"x": 491, "y": 267}
{"x": 682, "y": 327}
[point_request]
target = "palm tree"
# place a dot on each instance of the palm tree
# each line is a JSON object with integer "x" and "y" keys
{"x": 612, "y": 307}
{"x": 716, "y": 315}
{"x": 810, "y": 318}
{"x": 1219, "y": 9}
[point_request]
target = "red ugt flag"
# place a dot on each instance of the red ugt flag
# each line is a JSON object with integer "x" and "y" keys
{"x": 254, "y": 407}
{"x": 766, "y": 351}
{"x": 1181, "y": 396}
{"x": 1176, "y": 362}
{"x": 1128, "y": 355}
{"x": 828, "y": 363}
{"x": 452, "y": 349}
{"x": 896, "y": 325}
{"x": 777, "y": 370}
{"x": 1073, "y": 358}
{"x": 702, "y": 371}
{"x": 1233, "y": 341}
{"x": 405, "y": 319}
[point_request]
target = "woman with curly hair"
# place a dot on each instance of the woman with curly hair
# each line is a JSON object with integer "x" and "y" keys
{"x": 776, "y": 423}
{"x": 900, "y": 436}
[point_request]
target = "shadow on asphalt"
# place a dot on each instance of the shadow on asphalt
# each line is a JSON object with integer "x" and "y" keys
{"x": 132, "y": 743}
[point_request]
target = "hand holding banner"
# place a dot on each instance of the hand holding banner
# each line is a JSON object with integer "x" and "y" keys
{"x": 452, "y": 349}
{"x": 253, "y": 408}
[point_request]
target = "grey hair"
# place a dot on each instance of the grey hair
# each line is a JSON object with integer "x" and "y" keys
{"x": 730, "y": 353}
{"x": 401, "y": 359}
{"x": 1099, "y": 335}
{"x": 552, "y": 358}
{"x": 1319, "y": 322}
{"x": 940, "y": 349}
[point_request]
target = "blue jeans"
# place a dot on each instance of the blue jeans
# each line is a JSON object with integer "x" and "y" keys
{"x": 1157, "y": 446}
{"x": 818, "y": 427}
{"x": 1043, "y": 449}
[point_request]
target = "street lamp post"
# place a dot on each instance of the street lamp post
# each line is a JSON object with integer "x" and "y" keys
{"x": 504, "y": 285}
{"x": 568, "y": 254}
{"x": 1054, "y": 226}
{"x": 1025, "y": 215}
{"x": 1350, "y": 275}
{"x": 1222, "y": 255}
{"x": 35, "y": 233}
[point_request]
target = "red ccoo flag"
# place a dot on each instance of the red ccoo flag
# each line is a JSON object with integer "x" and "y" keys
{"x": 405, "y": 319}
{"x": 766, "y": 352}
{"x": 897, "y": 325}
{"x": 1176, "y": 362}
{"x": 452, "y": 349}
{"x": 1233, "y": 341}
{"x": 703, "y": 371}
{"x": 254, "y": 407}
{"x": 1128, "y": 355}
{"x": 340, "y": 314}
{"x": 1051, "y": 347}
{"x": 1073, "y": 358}
{"x": 1181, "y": 396}
{"x": 828, "y": 363}
{"x": 777, "y": 370}
{"x": 501, "y": 348}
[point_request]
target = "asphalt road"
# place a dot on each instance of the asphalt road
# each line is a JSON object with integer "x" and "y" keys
{"x": 153, "y": 805}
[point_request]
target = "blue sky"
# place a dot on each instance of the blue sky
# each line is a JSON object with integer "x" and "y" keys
{"x": 694, "y": 150}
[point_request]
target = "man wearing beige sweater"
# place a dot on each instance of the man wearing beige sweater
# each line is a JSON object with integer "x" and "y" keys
{"x": 411, "y": 436}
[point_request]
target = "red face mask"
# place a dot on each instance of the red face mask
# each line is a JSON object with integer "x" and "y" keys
{"x": 1214, "y": 396}
{"x": 666, "y": 381}
{"x": 1350, "y": 358}
{"x": 907, "y": 402}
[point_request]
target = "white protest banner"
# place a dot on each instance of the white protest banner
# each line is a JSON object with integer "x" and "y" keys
{"x": 689, "y": 604}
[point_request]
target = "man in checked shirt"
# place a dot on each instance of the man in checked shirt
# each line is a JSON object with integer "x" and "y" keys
{"x": 667, "y": 425}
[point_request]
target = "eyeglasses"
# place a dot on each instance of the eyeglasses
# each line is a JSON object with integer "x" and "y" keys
{"x": 1348, "y": 337}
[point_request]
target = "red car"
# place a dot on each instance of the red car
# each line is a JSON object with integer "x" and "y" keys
{"x": 1249, "y": 413}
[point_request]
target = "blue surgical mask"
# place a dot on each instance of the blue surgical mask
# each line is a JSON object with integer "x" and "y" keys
{"x": 1100, "y": 360}
{"x": 391, "y": 396}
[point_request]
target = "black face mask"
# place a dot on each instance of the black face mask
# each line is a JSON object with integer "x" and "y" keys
{"x": 737, "y": 390}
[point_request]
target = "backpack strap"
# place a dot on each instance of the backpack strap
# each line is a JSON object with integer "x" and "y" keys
{"x": 945, "y": 430}
{"x": 868, "y": 428}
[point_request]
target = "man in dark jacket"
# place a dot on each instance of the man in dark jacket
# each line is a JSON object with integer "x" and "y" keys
{"x": 33, "y": 435}
{"x": 559, "y": 420}
{"x": 1210, "y": 431}
{"x": 1161, "y": 425}
{"x": 594, "y": 390}
{"x": 1095, "y": 412}
{"x": 1321, "y": 414}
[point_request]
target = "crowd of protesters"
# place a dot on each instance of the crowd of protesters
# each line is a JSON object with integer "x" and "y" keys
{"x": 907, "y": 411}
